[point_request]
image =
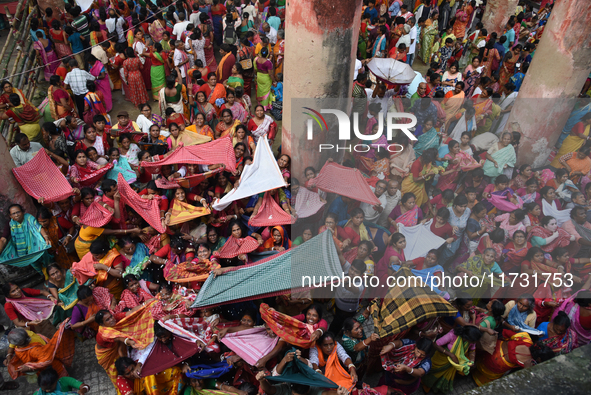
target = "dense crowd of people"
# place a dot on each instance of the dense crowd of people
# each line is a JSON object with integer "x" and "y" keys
{"x": 128, "y": 247}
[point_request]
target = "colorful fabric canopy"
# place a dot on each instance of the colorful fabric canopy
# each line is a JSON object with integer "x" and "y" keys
{"x": 275, "y": 275}
{"x": 147, "y": 209}
{"x": 344, "y": 181}
{"x": 41, "y": 178}
{"x": 218, "y": 151}
{"x": 260, "y": 176}
{"x": 405, "y": 306}
{"x": 270, "y": 214}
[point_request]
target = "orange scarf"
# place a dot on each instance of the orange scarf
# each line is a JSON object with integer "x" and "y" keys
{"x": 333, "y": 370}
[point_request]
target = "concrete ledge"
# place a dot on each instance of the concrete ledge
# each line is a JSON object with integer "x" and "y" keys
{"x": 564, "y": 375}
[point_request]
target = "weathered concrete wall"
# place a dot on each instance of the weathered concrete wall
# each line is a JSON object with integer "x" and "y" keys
{"x": 497, "y": 14}
{"x": 318, "y": 64}
{"x": 564, "y": 375}
{"x": 558, "y": 71}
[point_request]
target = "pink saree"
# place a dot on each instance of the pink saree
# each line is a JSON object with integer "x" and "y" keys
{"x": 103, "y": 84}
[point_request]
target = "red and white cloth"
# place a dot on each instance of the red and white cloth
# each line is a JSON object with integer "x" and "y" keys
{"x": 147, "y": 209}
{"x": 344, "y": 181}
{"x": 270, "y": 214}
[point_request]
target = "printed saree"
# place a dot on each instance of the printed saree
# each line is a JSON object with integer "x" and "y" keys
{"x": 26, "y": 246}
{"x": 443, "y": 370}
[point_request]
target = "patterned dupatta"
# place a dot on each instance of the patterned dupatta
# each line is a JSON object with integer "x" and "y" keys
{"x": 288, "y": 328}
{"x": 68, "y": 294}
{"x": 410, "y": 218}
{"x": 32, "y": 308}
{"x": 404, "y": 355}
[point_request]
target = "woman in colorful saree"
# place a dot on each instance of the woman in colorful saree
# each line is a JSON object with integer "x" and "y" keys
{"x": 238, "y": 111}
{"x": 134, "y": 256}
{"x": 578, "y": 136}
{"x": 6, "y": 89}
{"x": 577, "y": 164}
{"x": 394, "y": 255}
{"x": 133, "y": 296}
{"x": 422, "y": 169}
{"x": 558, "y": 335}
{"x": 63, "y": 286}
{"x": 455, "y": 354}
{"x": 265, "y": 78}
{"x": 242, "y": 135}
{"x": 429, "y": 138}
{"x": 279, "y": 240}
{"x": 46, "y": 55}
{"x": 514, "y": 351}
{"x": 171, "y": 305}
{"x": 84, "y": 172}
{"x": 170, "y": 255}
{"x": 102, "y": 264}
{"x": 472, "y": 76}
{"x": 457, "y": 161}
{"x": 25, "y": 116}
{"x": 500, "y": 158}
{"x": 507, "y": 69}
{"x": 483, "y": 106}
{"x": 339, "y": 235}
{"x": 202, "y": 106}
{"x": 158, "y": 70}
{"x": 405, "y": 363}
{"x": 84, "y": 312}
{"x": 173, "y": 95}
{"x": 58, "y": 235}
{"x": 94, "y": 104}
{"x": 213, "y": 91}
{"x": 481, "y": 266}
{"x": 136, "y": 331}
{"x": 578, "y": 309}
{"x": 130, "y": 382}
{"x": 33, "y": 352}
{"x": 515, "y": 251}
{"x": 61, "y": 103}
{"x": 328, "y": 357}
{"x": 428, "y": 33}
{"x": 27, "y": 239}
{"x": 406, "y": 213}
{"x": 28, "y": 312}
{"x": 548, "y": 235}
{"x": 227, "y": 125}
{"x": 262, "y": 125}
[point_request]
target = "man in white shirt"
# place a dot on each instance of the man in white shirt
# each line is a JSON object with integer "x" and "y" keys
{"x": 99, "y": 52}
{"x": 372, "y": 212}
{"x": 24, "y": 150}
{"x": 76, "y": 79}
{"x": 270, "y": 32}
{"x": 180, "y": 59}
{"x": 194, "y": 17}
{"x": 392, "y": 196}
{"x": 413, "y": 40}
{"x": 180, "y": 27}
{"x": 405, "y": 39}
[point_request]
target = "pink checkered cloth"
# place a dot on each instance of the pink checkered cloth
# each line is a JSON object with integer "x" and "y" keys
{"x": 147, "y": 209}
{"x": 218, "y": 151}
{"x": 163, "y": 183}
{"x": 235, "y": 247}
{"x": 250, "y": 344}
{"x": 307, "y": 203}
{"x": 344, "y": 181}
{"x": 96, "y": 216}
{"x": 41, "y": 178}
{"x": 270, "y": 214}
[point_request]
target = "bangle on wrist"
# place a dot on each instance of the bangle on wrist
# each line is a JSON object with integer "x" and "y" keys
{"x": 26, "y": 324}
{"x": 125, "y": 341}
{"x": 351, "y": 365}
{"x": 109, "y": 270}
{"x": 412, "y": 370}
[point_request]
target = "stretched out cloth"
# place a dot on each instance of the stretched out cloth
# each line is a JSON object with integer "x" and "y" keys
{"x": 503, "y": 203}
{"x": 96, "y": 216}
{"x": 288, "y": 328}
{"x": 26, "y": 245}
{"x": 138, "y": 326}
{"x": 275, "y": 275}
{"x": 91, "y": 178}
{"x": 40, "y": 178}
{"x": 147, "y": 209}
{"x": 298, "y": 372}
{"x": 344, "y": 181}
{"x": 186, "y": 272}
{"x": 192, "y": 181}
{"x": 234, "y": 247}
{"x": 270, "y": 214}
{"x": 164, "y": 356}
{"x": 419, "y": 240}
{"x": 261, "y": 176}
{"x": 561, "y": 216}
{"x": 193, "y": 329}
{"x": 32, "y": 308}
{"x": 57, "y": 352}
{"x": 307, "y": 203}
{"x": 334, "y": 371}
{"x": 214, "y": 152}
{"x": 163, "y": 183}
{"x": 212, "y": 371}
{"x": 251, "y": 344}
{"x": 122, "y": 167}
{"x": 184, "y": 212}
{"x": 405, "y": 306}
